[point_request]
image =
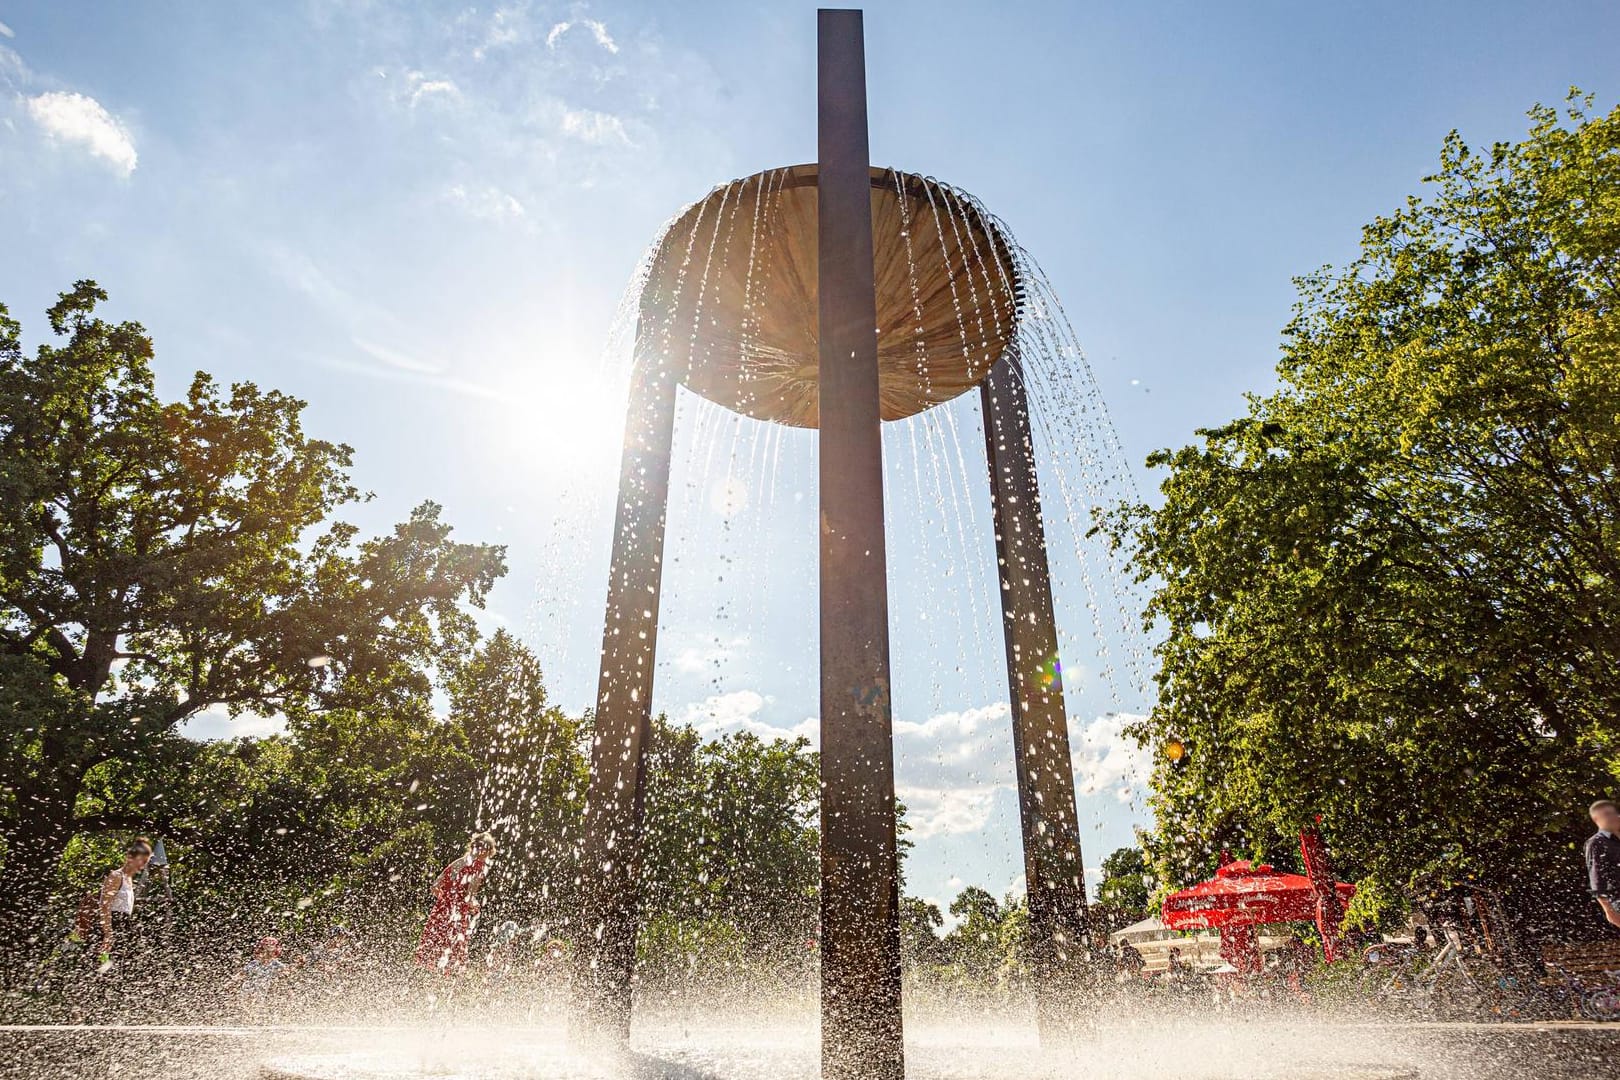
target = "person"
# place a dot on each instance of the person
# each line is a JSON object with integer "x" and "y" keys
{"x": 336, "y": 953}
{"x": 1297, "y": 960}
{"x": 1603, "y": 859}
{"x": 1131, "y": 960}
{"x": 1179, "y": 972}
{"x": 261, "y": 970}
{"x": 118, "y": 901}
{"x": 455, "y": 908}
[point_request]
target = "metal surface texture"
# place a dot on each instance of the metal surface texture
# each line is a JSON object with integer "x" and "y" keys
{"x": 860, "y": 929}
{"x": 604, "y": 957}
{"x": 947, "y": 289}
{"x": 1053, "y": 867}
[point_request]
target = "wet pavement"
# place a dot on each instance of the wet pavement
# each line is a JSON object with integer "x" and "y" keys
{"x": 1206, "y": 1051}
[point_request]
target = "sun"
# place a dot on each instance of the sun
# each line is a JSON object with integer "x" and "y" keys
{"x": 567, "y": 424}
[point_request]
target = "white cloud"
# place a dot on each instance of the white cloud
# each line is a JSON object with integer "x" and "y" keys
{"x": 966, "y": 749}
{"x": 423, "y": 87}
{"x": 486, "y": 203}
{"x": 722, "y": 714}
{"x": 396, "y": 359}
{"x": 79, "y": 119}
{"x": 216, "y": 723}
{"x": 721, "y": 711}
{"x": 300, "y": 272}
{"x": 599, "y": 32}
{"x": 1108, "y": 760}
{"x": 402, "y": 367}
{"x": 951, "y": 767}
{"x": 371, "y": 322}
{"x": 946, "y": 811}
{"x": 14, "y": 74}
{"x": 709, "y": 657}
{"x": 597, "y": 128}
{"x": 505, "y": 28}
{"x": 6, "y": 31}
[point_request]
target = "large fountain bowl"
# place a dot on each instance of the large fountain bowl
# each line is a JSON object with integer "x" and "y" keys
{"x": 733, "y": 294}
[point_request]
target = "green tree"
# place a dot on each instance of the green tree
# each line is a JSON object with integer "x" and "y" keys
{"x": 976, "y": 906}
{"x": 350, "y": 815}
{"x": 1390, "y": 592}
{"x": 975, "y": 944}
{"x": 531, "y": 774}
{"x": 731, "y": 831}
{"x": 163, "y": 558}
{"x": 920, "y": 921}
{"x": 1122, "y": 891}
{"x": 675, "y": 880}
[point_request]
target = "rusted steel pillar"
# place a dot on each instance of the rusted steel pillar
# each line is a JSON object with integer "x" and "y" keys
{"x": 604, "y": 956}
{"x": 860, "y": 929}
{"x": 1052, "y": 864}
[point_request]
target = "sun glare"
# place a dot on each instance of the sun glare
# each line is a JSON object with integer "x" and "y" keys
{"x": 565, "y": 426}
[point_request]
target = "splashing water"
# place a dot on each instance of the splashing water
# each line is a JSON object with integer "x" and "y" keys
{"x": 1161, "y": 1047}
{"x": 737, "y": 583}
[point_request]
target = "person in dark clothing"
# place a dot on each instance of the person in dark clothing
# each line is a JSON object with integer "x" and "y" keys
{"x": 1603, "y": 859}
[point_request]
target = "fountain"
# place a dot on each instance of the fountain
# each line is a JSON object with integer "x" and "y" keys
{"x": 915, "y": 300}
{"x": 837, "y": 297}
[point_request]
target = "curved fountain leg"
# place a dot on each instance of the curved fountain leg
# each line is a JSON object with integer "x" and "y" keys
{"x": 606, "y": 943}
{"x": 860, "y": 929}
{"x": 1052, "y": 864}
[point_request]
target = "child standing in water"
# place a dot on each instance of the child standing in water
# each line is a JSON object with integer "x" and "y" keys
{"x": 262, "y": 968}
{"x": 260, "y": 972}
{"x": 455, "y": 908}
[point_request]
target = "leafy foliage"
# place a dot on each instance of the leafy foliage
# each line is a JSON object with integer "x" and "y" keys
{"x": 1390, "y": 592}
{"x": 731, "y": 829}
{"x": 1122, "y": 890}
{"x": 164, "y": 558}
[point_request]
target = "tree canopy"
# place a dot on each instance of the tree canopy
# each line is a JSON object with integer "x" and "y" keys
{"x": 1389, "y": 593}
{"x": 161, "y": 558}
{"x": 1122, "y": 887}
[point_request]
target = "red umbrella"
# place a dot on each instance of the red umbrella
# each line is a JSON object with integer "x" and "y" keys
{"x": 1243, "y": 895}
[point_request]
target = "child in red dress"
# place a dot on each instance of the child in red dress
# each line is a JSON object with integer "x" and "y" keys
{"x": 455, "y": 909}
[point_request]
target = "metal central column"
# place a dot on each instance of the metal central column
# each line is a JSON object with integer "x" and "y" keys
{"x": 860, "y": 929}
{"x": 1052, "y": 864}
{"x": 605, "y": 952}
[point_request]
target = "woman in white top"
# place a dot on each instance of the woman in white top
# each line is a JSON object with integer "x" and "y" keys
{"x": 118, "y": 893}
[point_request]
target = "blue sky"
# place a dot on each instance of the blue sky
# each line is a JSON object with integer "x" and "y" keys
{"x": 421, "y": 217}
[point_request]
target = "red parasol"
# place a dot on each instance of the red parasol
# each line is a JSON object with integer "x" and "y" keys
{"x": 1243, "y": 895}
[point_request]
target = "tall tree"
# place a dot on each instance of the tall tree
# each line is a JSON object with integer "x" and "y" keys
{"x": 920, "y": 921}
{"x": 731, "y": 832}
{"x": 1122, "y": 890}
{"x": 988, "y": 942}
{"x": 532, "y": 770}
{"x": 160, "y": 558}
{"x": 1391, "y": 590}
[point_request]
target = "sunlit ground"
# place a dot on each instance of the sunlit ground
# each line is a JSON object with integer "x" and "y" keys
{"x": 1146, "y": 1047}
